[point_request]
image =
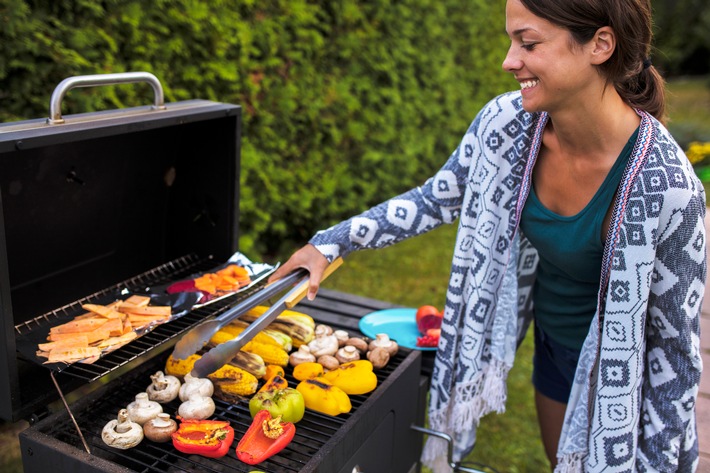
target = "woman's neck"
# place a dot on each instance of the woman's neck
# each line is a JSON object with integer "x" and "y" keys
{"x": 592, "y": 128}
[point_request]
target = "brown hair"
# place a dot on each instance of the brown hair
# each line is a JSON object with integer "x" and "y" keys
{"x": 629, "y": 67}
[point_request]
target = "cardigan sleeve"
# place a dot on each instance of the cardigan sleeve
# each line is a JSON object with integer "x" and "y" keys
{"x": 414, "y": 212}
{"x": 667, "y": 431}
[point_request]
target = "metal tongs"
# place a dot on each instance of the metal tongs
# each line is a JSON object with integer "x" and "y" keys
{"x": 222, "y": 353}
{"x": 195, "y": 339}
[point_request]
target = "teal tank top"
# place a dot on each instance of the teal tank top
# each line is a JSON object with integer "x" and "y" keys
{"x": 570, "y": 249}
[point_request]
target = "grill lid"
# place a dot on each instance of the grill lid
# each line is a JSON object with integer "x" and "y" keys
{"x": 99, "y": 199}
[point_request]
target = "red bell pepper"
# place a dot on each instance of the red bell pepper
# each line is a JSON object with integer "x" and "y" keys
{"x": 264, "y": 438}
{"x": 209, "y": 438}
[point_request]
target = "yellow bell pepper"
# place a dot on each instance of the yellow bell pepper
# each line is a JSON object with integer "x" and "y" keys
{"x": 353, "y": 377}
{"x": 320, "y": 395}
{"x": 308, "y": 370}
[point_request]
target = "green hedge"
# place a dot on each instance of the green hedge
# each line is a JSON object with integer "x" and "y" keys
{"x": 345, "y": 102}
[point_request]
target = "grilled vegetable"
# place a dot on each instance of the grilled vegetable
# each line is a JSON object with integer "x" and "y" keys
{"x": 265, "y": 438}
{"x": 229, "y": 332}
{"x": 229, "y": 381}
{"x": 192, "y": 385}
{"x": 268, "y": 336}
{"x": 354, "y": 377}
{"x": 163, "y": 388}
{"x": 250, "y": 362}
{"x": 159, "y": 429}
{"x": 287, "y": 403}
{"x": 300, "y": 327}
{"x": 302, "y": 355}
{"x": 197, "y": 406}
{"x": 320, "y": 395}
{"x": 271, "y": 354}
{"x": 273, "y": 370}
{"x": 121, "y": 432}
{"x": 143, "y": 409}
{"x": 277, "y": 382}
{"x": 308, "y": 370}
{"x": 209, "y": 438}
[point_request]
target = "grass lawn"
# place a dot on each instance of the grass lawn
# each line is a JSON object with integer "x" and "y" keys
{"x": 689, "y": 109}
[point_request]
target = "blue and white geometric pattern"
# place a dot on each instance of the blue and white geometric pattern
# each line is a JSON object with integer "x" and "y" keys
{"x": 632, "y": 403}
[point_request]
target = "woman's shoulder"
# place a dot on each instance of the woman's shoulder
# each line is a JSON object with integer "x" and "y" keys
{"x": 664, "y": 166}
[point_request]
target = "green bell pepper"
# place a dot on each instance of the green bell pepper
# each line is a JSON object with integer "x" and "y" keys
{"x": 287, "y": 403}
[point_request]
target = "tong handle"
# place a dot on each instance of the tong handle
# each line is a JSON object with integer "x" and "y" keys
{"x": 221, "y": 354}
{"x": 300, "y": 291}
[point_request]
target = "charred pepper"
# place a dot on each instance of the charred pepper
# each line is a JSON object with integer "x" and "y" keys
{"x": 265, "y": 438}
{"x": 286, "y": 402}
{"x": 209, "y": 438}
{"x": 320, "y": 395}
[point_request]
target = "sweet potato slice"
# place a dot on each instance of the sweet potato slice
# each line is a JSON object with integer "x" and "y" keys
{"x": 79, "y": 326}
{"x": 77, "y": 341}
{"x": 101, "y": 310}
{"x": 114, "y": 326}
{"x": 138, "y": 301}
{"x": 72, "y": 354}
{"x": 115, "y": 342}
{"x": 154, "y": 310}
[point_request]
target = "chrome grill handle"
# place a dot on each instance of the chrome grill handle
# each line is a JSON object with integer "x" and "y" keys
{"x": 55, "y": 105}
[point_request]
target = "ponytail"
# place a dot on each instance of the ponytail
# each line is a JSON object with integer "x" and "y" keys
{"x": 645, "y": 90}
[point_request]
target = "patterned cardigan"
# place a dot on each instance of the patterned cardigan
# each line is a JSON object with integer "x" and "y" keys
{"x": 632, "y": 402}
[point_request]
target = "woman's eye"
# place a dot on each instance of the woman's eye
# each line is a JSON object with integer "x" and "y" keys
{"x": 528, "y": 46}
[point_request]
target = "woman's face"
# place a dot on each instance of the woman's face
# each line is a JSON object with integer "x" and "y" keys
{"x": 554, "y": 73}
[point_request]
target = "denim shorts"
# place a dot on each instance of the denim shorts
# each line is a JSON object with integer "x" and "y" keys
{"x": 553, "y": 367}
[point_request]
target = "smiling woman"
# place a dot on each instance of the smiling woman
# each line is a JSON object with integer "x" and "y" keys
{"x": 569, "y": 193}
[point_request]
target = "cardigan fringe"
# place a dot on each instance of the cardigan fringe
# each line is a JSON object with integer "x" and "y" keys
{"x": 571, "y": 463}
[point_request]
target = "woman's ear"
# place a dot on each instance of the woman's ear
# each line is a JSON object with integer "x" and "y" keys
{"x": 602, "y": 45}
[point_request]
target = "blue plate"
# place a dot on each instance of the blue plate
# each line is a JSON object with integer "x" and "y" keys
{"x": 400, "y": 324}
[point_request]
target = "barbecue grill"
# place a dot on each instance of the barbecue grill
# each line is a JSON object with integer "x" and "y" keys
{"x": 125, "y": 201}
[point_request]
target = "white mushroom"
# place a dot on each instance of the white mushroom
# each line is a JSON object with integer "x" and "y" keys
{"x": 143, "y": 409}
{"x": 383, "y": 341}
{"x": 159, "y": 429}
{"x": 121, "y": 432}
{"x": 201, "y": 386}
{"x": 347, "y": 353}
{"x": 302, "y": 355}
{"x": 197, "y": 407}
{"x": 322, "y": 329}
{"x": 324, "y": 345}
{"x": 342, "y": 337}
{"x": 164, "y": 388}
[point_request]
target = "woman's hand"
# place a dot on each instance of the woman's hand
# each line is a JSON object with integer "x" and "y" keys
{"x": 309, "y": 258}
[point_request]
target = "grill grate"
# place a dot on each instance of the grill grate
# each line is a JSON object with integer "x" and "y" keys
{"x": 312, "y": 433}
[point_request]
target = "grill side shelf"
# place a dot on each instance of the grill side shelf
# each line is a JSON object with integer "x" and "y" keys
{"x": 158, "y": 338}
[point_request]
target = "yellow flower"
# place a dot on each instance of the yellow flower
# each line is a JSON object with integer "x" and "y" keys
{"x": 698, "y": 151}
